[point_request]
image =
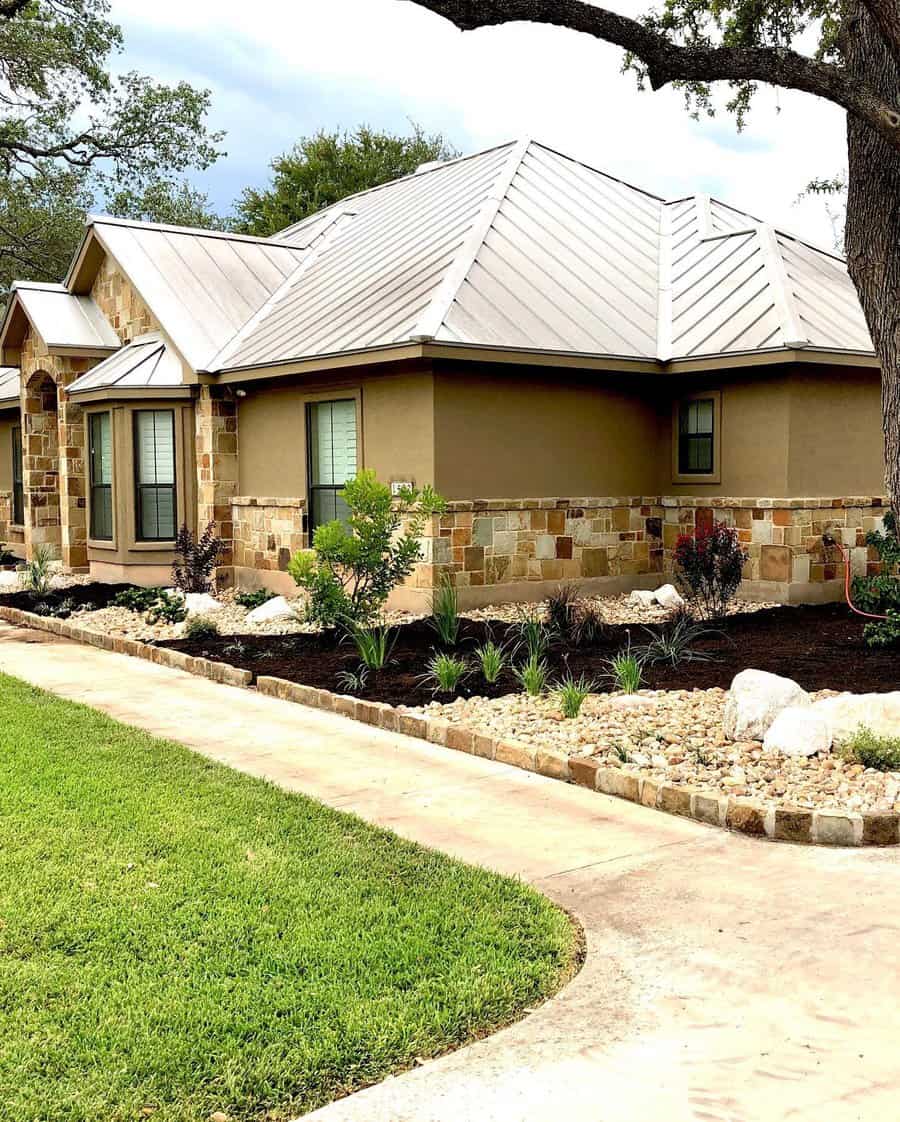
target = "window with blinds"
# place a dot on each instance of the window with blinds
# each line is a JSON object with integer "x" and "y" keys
{"x": 18, "y": 506}
{"x": 154, "y": 468}
{"x": 332, "y": 441}
{"x": 100, "y": 454}
{"x": 695, "y": 437}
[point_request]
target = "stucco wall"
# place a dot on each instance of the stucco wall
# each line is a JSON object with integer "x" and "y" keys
{"x": 8, "y": 418}
{"x": 396, "y": 412}
{"x": 522, "y": 434}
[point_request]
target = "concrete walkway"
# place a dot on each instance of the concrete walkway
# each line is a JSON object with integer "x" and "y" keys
{"x": 727, "y": 979}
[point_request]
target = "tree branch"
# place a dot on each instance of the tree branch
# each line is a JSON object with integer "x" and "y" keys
{"x": 666, "y": 61}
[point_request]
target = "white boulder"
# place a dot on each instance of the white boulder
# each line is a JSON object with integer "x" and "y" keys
{"x": 798, "y": 731}
{"x": 845, "y": 713}
{"x": 642, "y": 598}
{"x": 201, "y": 604}
{"x": 755, "y": 700}
{"x": 668, "y": 596}
{"x": 9, "y": 580}
{"x": 274, "y": 609}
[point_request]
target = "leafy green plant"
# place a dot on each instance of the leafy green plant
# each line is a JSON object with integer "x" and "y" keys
{"x": 36, "y": 577}
{"x": 195, "y": 559}
{"x": 200, "y": 628}
{"x": 373, "y": 644}
{"x": 880, "y": 592}
{"x": 254, "y": 599}
{"x": 445, "y": 672}
{"x": 883, "y": 632}
{"x": 674, "y": 642}
{"x": 571, "y": 693}
{"x": 444, "y": 616}
{"x": 532, "y": 634}
{"x": 354, "y": 566}
{"x": 137, "y": 599}
{"x": 871, "y": 750}
{"x": 353, "y": 681}
{"x": 532, "y": 675}
{"x": 626, "y": 671}
{"x": 492, "y": 659}
{"x": 166, "y": 608}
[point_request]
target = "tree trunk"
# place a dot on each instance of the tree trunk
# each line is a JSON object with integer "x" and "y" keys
{"x": 873, "y": 226}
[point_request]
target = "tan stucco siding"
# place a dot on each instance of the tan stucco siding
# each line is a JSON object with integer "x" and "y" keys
{"x": 8, "y": 418}
{"x": 521, "y": 433}
{"x": 836, "y": 442}
{"x": 396, "y": 416}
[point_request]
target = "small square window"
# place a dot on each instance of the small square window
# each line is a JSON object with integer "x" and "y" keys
{"x": 696, "y": 436}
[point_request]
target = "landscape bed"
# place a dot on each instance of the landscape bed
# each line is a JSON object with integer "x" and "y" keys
{"x": 821, "y": 647}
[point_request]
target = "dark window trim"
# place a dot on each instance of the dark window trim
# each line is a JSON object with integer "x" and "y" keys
{"x": 95, "y": 487}
{"x": 313, "y": 489}
{"x": 139, "y": 487}
{"x": 684, "y": 439}
{"x": 18, "y": 476}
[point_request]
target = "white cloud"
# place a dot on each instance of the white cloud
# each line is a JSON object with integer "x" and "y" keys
{"x": 283, "y": 69}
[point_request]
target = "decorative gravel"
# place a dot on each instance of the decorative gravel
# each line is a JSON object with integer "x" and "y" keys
{"x": 677, "y": 736}
{"x": 615, "y": 610}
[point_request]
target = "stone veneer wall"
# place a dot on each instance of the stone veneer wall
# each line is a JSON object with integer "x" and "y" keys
{"x": 5, "y": 515}
{"x": 504, "y": 541}
{"x": 267, "y": 531}
{"x": 217, "y": 464}
{"x": 114, "y": 295}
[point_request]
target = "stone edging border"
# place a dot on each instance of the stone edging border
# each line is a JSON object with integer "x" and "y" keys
{"x": 745, "y": 816}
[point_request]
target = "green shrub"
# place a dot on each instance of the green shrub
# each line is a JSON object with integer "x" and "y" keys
{"x": 36, "y": 577}
{"x": 880, "y": 593}
{"x": 373, "y": 644}
{"x": 879, "y": 752}
{"x": 571, "y": 694}
{"x": 492, "y": 660}
{"x": 200, "y": 628}
{"x": 883, "y": 632}
{"x": 444, "y": 616}
{"x": 353, "y": 567}
{"x": 626, "y": 671}
{"x": 254, "y": 599}
{"x": 532, "y": 675}
{"x": 446, "y": 672}
{"x": 137, "y": 599}
{"x": 166, "y": 608}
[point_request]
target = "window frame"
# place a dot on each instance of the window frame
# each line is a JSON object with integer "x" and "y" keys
{"x": 678, "y": 474}
{"x": 16, "y": 440}
{"x": 139, "y": 537}
{"x": 93, "y": 538}
{"x": 312, "y": 488}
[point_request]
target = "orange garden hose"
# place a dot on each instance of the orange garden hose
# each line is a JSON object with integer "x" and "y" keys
{"x": 845, "y": 554}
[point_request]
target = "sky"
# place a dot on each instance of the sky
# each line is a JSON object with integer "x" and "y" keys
{"x": 282, "y": 69}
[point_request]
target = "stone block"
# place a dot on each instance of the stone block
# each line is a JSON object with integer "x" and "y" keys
{"x": 553, "y": 764}
{"x": 583, "y": 771}
{"x": 793, "y": 824}
{"x": 775, "y": 563}
{"x": 595, "y": 563}
{"x": 880, "y": 828}
{"x": 747, "y": 817}
{"x": 483, "y": 746}
{"x": 515, "y": 754}
{"x": 675, "y": 800}
{"x": 411, "y": 725}
{"x": 482, "y": 532}
{"x": 460, "y": 739}
{"x": 706, "y": 808}
{"x": 622, "y": 784}
{"x": 836, "y": 829}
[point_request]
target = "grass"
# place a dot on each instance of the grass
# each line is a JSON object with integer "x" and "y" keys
{"x": 177, "y": 938}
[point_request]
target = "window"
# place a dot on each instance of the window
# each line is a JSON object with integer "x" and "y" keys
{"x": 18, "y": 510}
{"x": 100, "y": 452}
{"x": 331, "y": 437}
{"x": 154, "y": 469}
{"x": 696, "y": 419}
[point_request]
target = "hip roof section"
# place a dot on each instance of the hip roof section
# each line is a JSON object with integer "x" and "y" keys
{"x": 146, "y": 363}
{"x": 10, "y": 382}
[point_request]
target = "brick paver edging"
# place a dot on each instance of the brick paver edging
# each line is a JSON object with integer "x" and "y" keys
{"x": 746, "y": 816}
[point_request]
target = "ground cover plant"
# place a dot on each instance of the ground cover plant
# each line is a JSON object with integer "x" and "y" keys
{"x": 871, "y": 750}
{"x": 179, "y": 939}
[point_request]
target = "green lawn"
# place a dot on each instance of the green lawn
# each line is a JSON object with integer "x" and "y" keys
{"x": 177, "y": 938}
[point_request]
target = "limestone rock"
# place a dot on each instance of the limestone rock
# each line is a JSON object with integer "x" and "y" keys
{"x": 642, "y": 598}
{"x": 845, "y": 713}
{"x": 631, "y": 702}
{"x": 798, "y": 731}
{"x": 9, "y": 580}
{"x": 755, "y": 700}
{"x": 668, "y": 596}
{"x": 201, "y": 604}
{"x": 276, "y": 608}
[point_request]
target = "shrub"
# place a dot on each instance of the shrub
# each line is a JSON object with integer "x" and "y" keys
{"x": 373, "y": 644}
{"x": 253, "y": 599}
{"x": 571, "y": 693}
{"x": 166, "y": 608}
{"x": 674, "y": 641}
{"x": 352, "y": 569}
{"x": 708, "y": 567}
{"x": 200, "y": 628}
{"x": 445, "y": 672}
{"x": 879, "y": 752}
{"x": 137, "y": 599}
{"x": 195, "y": 559}
{"x": 561, "y": 610}
{"x": 492, "y": 660}
{"x": 444, "y": 616}
{"x": 532, "y": 675}
{"x": 880, "y": 593}
{"x": 883, "y": 632}
{"x": 626, "y": 671}
{"x": 36, "y": 577}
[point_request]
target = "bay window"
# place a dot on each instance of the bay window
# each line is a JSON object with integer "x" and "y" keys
{"x": 154, "y": 467}
{"x": 100, "y": 461}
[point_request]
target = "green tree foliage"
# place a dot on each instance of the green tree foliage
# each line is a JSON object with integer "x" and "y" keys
{"x": 326, "y": 167}
{"x": 354, "y": 566}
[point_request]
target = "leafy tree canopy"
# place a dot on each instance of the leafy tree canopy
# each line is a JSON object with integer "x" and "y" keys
{"x": 328, "y": 166}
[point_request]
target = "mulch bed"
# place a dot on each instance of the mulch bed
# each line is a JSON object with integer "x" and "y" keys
{"x": 820, "y": 646}
{"x": 94, "y": 595}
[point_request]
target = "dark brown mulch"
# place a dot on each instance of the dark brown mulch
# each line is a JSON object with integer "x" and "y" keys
{"x": 95, "y": 595}
{"x": 820, "y": 646}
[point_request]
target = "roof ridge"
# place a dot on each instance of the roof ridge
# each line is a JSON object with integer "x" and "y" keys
{"x": 782, "y": 292}
{"x": 432, "y": 318}
{"x": 664, "y": 321}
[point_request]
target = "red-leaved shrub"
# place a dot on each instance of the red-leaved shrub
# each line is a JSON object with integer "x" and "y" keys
{"x": 708, "y": 566}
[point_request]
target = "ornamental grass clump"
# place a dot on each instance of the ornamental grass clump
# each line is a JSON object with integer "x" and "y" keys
{"x": 444, "y": 616}
{"x": 626, "y": 671}
{"x": 492, "y": 660}
{"x": 200, "y": 628}
{"x": 354, "y": 565}
{"x": 532, "y": 634}
{"x": 674, "y": 642}
{"x": 708, "y": 568}
{"x": 560, "y": 616}
{"x": 36, "y": 577}
{"x": 373, "y": 644}
{"x": 571, "y": 694}
{"x": 445, "y": 672}
{"x": 532, "y": 675}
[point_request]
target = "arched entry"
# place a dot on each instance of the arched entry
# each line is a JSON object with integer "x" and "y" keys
{"x": 40, "y": 464}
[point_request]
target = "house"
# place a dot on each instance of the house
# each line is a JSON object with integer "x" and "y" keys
{"x": 583, "y": 369}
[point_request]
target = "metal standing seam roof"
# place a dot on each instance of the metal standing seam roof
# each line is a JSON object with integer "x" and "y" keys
{"x": 521, "y": 247}
{"x": 145, "y": 363}
{"x": 62, "y": 318}
{"x": 10, "y": 382}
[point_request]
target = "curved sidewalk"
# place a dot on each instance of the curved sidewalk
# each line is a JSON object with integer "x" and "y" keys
{"x": 727, "y": 979}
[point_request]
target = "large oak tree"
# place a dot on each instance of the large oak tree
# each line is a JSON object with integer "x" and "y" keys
{"x": 856, "y": 65}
